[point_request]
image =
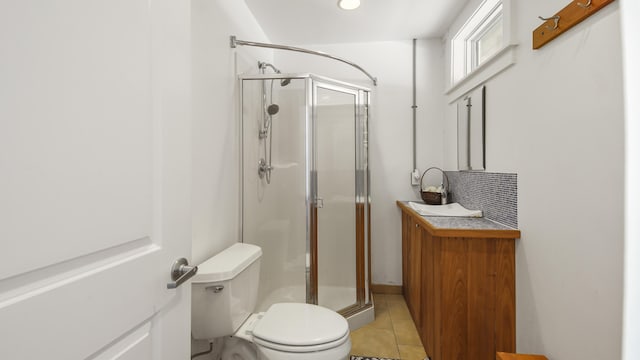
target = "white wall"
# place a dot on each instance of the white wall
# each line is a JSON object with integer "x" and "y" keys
{"x": 215, "y": 119}
{"x": 216, "y": 181}
{"x": 390, "y": 127}
{"x": 556, "y": 119}
{"x": 630, "y": 10}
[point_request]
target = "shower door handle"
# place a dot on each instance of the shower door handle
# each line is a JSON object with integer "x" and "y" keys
{"x": 319, "y": 203}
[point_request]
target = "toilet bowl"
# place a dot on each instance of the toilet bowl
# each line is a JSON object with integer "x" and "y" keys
{"x": 223, "y": 303}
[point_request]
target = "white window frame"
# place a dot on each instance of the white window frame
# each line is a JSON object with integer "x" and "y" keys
{"x": 474, "y": 39}
{"x": 466, "y": 73}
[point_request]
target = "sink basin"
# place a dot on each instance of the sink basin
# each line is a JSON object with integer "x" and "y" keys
{"x": 453, "y": 209}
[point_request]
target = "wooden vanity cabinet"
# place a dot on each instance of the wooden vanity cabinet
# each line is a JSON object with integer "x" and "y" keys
{"x": 411, "y": 271}
{"x": 459, "y": 286}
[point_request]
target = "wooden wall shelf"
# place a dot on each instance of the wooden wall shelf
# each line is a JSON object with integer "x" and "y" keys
{"x": 569, "y": 16}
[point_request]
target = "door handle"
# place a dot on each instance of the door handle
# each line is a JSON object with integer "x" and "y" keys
{"x": 181, "y": 272}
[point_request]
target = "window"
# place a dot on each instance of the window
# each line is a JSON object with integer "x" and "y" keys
{"x": 488, "y": 42}
{"x": 484, "y": 35}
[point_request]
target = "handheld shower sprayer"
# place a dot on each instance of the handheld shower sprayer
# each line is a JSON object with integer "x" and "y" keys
{"x": 269, "y": 110}
{"x": 273, "y": 109}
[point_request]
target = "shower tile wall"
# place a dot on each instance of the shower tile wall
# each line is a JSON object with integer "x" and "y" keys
{"x": 274, "y": 216}
{"x": 496, "y": 194}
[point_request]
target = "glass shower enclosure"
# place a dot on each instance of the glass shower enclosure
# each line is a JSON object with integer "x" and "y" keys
{"x": 305, "y": 189}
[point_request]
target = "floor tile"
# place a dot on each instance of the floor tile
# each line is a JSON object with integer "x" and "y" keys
{"x": 394, "y": 298}
{"x": 382, "y": 320}
{"x": 398, "y": 311}
{"x": 406, "y": 333}
{"x": 392, "y": 334}
{"x": 381, "y": 307}
{"x": 412, "y": 352}
{"x": 369, "y": 341}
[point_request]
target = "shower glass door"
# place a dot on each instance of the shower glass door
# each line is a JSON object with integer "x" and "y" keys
{"x": 305, "y": 190}
{"x": 337, "y": 240}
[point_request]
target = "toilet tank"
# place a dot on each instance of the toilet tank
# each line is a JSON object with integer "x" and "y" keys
{"x": 224, "y": 291}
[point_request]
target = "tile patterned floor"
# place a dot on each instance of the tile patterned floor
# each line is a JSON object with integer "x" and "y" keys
{"x": 392, "y": 334}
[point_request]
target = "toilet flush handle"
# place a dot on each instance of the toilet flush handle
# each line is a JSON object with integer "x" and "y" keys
{"x": 215, "y": 288}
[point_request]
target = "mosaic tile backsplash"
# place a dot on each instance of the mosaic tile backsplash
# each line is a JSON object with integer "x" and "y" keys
{"x": 496, "y": 194}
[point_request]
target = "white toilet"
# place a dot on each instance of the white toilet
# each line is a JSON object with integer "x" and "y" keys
{"x": 224, "y": 297}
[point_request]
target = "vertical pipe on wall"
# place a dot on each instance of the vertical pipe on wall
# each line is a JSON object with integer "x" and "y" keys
{"x": 415, "y": 173}
{"x": 414, "y": 107}
{"x": 468, "y": 139}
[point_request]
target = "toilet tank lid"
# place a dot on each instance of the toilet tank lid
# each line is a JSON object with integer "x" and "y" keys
{"x": 227, "y": 264}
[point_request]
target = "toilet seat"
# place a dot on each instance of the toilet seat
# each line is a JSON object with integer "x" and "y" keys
{"x": 296, "y": 328}
{"x": 301, "y": 349}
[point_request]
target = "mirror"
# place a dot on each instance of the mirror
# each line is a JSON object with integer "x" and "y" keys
{"x": 471, "y": 139}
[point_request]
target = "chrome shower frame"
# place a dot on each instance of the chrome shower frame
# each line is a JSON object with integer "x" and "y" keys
{"x": 362, "y": 189}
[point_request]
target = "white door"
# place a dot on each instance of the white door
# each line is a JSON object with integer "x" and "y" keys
{"x": 94, "y": 178}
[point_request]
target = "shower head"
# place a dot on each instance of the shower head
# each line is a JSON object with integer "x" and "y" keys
{"x": 263, "y": 65}
{"x": 273, "y": 109}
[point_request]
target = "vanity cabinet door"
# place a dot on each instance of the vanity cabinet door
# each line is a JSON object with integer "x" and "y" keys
{"x": 430, "y": 295}
{"x": 475, "y": 297}
{"x": 468, "y": 298}
{"x": 412, "y": 273}
{"x": 406, "y": 234}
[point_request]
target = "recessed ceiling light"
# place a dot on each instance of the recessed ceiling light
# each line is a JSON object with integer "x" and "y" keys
{"x": 348, "y": 4}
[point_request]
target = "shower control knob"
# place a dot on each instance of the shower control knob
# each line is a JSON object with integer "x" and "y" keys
{"x": 264, "y": 168}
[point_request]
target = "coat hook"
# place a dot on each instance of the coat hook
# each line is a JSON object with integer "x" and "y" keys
{"x": 556, "y": 20}
{"x": 584, "y": 5}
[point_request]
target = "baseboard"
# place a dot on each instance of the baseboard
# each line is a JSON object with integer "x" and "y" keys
{"x": 386, "y": 289}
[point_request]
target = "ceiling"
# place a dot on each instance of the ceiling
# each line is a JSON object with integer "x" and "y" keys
{"x": 322, "y": 22}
